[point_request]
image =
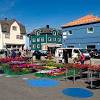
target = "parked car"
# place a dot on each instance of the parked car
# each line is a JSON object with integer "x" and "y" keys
{"x": 72, "y": 53}
{"x": 41, "y": 52}
{"x": 94, "y": 53}
{"x": 44, "y": 53}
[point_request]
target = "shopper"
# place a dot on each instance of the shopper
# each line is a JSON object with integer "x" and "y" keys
{"x": 65, "y": 56}
{"x": 82, "y": 58}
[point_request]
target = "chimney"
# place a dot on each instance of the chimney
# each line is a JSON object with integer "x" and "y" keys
{"x": 5, "y": 18}
{"x": 47, "y": 26}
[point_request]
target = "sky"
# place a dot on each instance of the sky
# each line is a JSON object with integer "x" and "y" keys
{"x": 39, "y": 13}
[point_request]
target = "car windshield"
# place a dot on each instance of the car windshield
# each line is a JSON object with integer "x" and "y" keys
{"x": 83, "y": 50}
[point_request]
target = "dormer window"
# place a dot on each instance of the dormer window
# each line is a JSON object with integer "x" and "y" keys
{"x": 90, "y": 30}
{"x": 54, "y": 33}
{"x": 38, "y": 32}
{"x": 14, "y": 28}
{"x": 5, "y": 28}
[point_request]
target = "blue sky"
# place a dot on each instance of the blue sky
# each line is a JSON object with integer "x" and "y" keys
{"x": 38, "y": 13}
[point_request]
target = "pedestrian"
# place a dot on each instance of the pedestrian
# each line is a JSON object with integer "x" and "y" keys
{"x": 49, "y": 55}
{"x": 82, "y": 58}
{"x": 13, "y": 55}
{"x": 65, "y": 56}
{"x": 6, "y": 53}
{"x": 37, "y": 55}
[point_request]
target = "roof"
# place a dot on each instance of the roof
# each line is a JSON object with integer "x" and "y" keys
{"x": 7, "y": 23}
{"x": 44, "y": 30}
{"x": 83, "y": 20}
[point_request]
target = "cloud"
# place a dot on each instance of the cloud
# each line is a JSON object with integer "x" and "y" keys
{"x": 6, "y": 5}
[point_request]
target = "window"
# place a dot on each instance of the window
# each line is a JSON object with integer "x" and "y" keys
{"x": 59, "y": 39}
{"x": 54, "y": 33}
{"x": 64, "y": 37}
{"x": 42, "y": 39}
{"x": 34, "y": 46}
{"x": 14, "y": 28}
{"x": 69, "y": 32}
{"x": 76, "y": 51}
{"x": 38, "y": 45}
{"x": 54, "y": 39}
{"x": 34, "y": 39}
{"x": 38, "y": 32}
{"x": 7, "y": 35}
{"x": 49, "y": 39}
{"x": 64, "y": 33}
{"x": 38, "y": 39}
{"x": 90, "y": 30}
{"x": 21, "y": 37}
{"x": 70, "y": 46}
{"x": 5, "y": 28}
{"x": 17, "y": 36}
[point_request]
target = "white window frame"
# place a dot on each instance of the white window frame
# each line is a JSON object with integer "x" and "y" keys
{"x": 54, "y": 32}
{"x": 64, "y": 33}
{"x": 59, "y": 39}
{"x": 64, "y": 36}
{"x": 38, "y": 32}
{"x": 34, "y": 46}
{"x": 38, "y": 45}
{"x": 34, "y": 40}
{"x": 49, "y": 39}
{"x": 42, "y": 39}
{"x": 38, "y": 39}
{"x": 88, "y": 31}
{"x": 55, "y": 39}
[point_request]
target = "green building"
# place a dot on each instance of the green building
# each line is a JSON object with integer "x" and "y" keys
{"x": 45, "y": 38}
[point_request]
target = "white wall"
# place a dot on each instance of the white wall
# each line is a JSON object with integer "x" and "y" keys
{"x": 13, "y": 34}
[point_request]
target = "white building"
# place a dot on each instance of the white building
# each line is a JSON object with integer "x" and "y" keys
{"x": 12, "y": 34}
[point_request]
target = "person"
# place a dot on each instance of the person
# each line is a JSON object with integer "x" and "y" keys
{"x": 65, "y": 56}
{"x": 6, "y": 53}
{"x": 30, "y": 56}
{"x": 49, "y": 55}
{"x": 37, "y": 55}
{"x": 76, "y": 57}
{"x": 82, "y": 58}
{"x": 13, "y": 55}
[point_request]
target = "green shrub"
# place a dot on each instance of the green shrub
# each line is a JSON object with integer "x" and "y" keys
{"x": 26, "y": 70}
{"x": 59, "y": 65}
{"x": 50, "y": 63}
{"x": 5, "y": 67}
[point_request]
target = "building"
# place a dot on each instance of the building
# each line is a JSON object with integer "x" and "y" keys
{"x": 12, "y": 34}
{"x": 82, "y": 33}
{"x": 45, "y": 38}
